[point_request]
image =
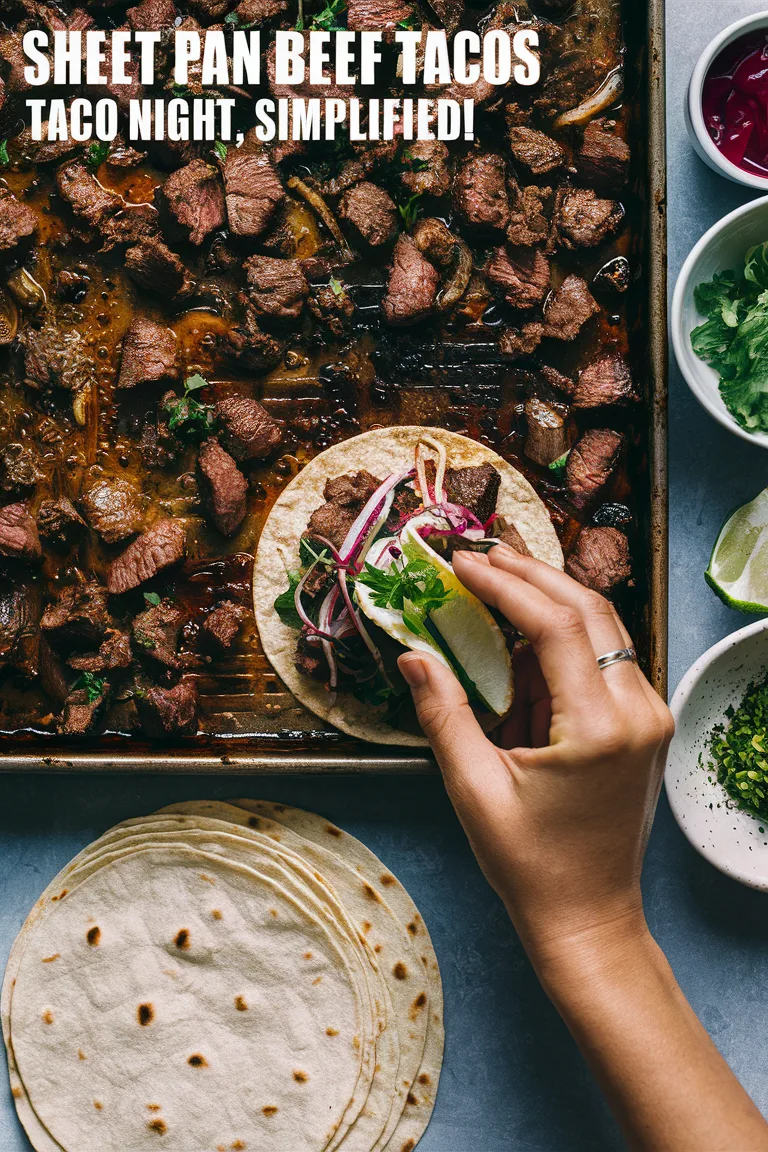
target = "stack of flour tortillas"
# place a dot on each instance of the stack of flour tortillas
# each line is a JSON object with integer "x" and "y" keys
{"x": 219, "y": 976}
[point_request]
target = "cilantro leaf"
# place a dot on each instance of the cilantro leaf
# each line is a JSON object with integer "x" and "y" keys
{"x": 152, "y": 599}
{"x": 327, "y": 20}
{"x": 410, "y": 211}
{"x": 415, "y": 589}
{"x": 94, "y": 686}
{"x": 558, "y": 466}
{"x": 4, "y": 157}
{"x": 285, "y": 604}
{"x": 220, "y": 149}
{"x": 186, "y": 413}
{"x": 97, "y": 153}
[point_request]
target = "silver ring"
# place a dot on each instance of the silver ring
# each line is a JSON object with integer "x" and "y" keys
{"x": 616, "y": 657}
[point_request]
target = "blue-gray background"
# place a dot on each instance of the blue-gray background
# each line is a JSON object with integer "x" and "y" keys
{"x": 512, "y": 1078}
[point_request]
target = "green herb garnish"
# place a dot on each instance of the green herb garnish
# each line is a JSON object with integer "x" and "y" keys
{"x": 285, "y": 604}
{"x": 220, "y": 149}
{"x": 414, "y": 163}
{"x": 188, "y": 414}
{"x": 236, "y": 22}
{"x": 409, "y": 212}
{"x": 97, "y": 153}
{"x": 94, "y": 686}
{"x": 739, "y": 751}
{"x": 4, "y": 157}
{"x": 336, "y": 286}
{"x": 558, "y": 466}
{"x": 144, "y": 641}
{"x": 327, "y": 19}
{"x": 415, "y": 590}
{"x": 152, "y": 599}
{"x": 406, "y": 24}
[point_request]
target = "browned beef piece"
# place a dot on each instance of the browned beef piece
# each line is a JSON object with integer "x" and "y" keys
{"x": 152, "y": 15}
{"x": 536, "y": 151}
{"x": 223, "y": 623}
{"x": 606, "y": 380}
{"x": 278, "y": 288}
{"x": 248, "y": 432}
{"x": 19, "y": 468}
{"x": 210, "y": 10}
{"x": 78, "y": 615}
{"x": 253, "y": 190}
{"x": 114, "y": 653}
{"x": 82, "y": 191}
{"x": 371, "y": 210}
{"x": 604, "y": 158}
{"x": 515, "y": 343}
{"x": 480, "y": 192}
{"x": 600, "y": 559}
{"x": 72, "y": 286}
{"x": 565, "y": 86}
{"x": 522, "y": 274}
{"x": 82, "y": 712}
{"x": 515, "y": 114}
{"x": 505, "y": 531}
{"x": 155, "y": 633}
{"x": 254, "y": 350}
{"x": 12, "y": 52}
{"x": 129, "y": 226}
{"x": 17, "y": 221}
{"x": 310, "y": 658}
{"x": 550, "y": 433}
{"x": 59, "y": 523}
{"x": 113, "y": 507}
{"x": 195, "y": 197}
{"x": 150, "y": 353}
{"x": 425, "y": 168}
{"x": 378, "y": 15}
{"x": 412, "y": 288}
{"x": 155, "y": 268}
{"x": 223, "y": 488}
{"x": 56, "y": 357}
{"x": 259, "y": 11}
{"x": 345, "y": 497}
{"x": 583, "y": 220}
{"x": 475, "y": 488}
{"x": 435, "y": 241}
{"x": 590, "y": 464}
{"x": 167, "y": 712}
{"x": 20, "y": 608}
{"x": 568, "y": 309}
{"x": 450, "y": 13}
{"x": 615, "y": 276}
{"x": 159, "y": 447}
{"x": 155, "y": 550}
{"x": 556, "y": 379}
{"x": 529, "y": 221}
{"x": 19, "y": 539}
{"x": 332, "y": 305}
{"x": 54, "y": 677}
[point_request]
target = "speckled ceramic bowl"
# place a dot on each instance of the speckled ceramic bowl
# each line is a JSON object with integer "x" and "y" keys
{"x": 733, "y": 841}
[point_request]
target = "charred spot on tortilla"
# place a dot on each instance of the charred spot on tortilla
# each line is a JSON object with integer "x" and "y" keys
{"x": 98, "y": 1105}
{"x": 50, "y": 959}
{"x": 412, "y": 928}
{"x": 241, "y": 1004}
{"x": 154, "y": 1107}
{"x": 332, "y": 831}
{"x": 400, "y": 972}
{"x": 158, "y": 1126}
{"x": 145, "y": 1014}
{"x": 424, "y": 1078}
{"x": 93, "y": 936}
{"x": 47, "y": 1016}
{"x": 371, "y": 893}
{"x": 411, "y": 1099}
{"x": 419, "y": 1003}
{"x": 208, "y": 879}
{"x": 307, "y": 955}
{"x": 181, "y": 939}
{"x": 196, "y": 1060}
{"x": 16, "y": 1092}
{"x": 270, "y": 1110}
{"x": 387, "y": 880}
{"x": 331, "y": 1031}
{"x": 254, "y": 822}
{"x": 215, "y": 912}
{"x": 300, "y": 1077}
{"x": 273, "y": 913}
{"x": 81, "y": 1055}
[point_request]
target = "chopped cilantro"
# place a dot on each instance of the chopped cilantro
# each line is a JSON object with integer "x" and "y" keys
{"x": 285, "y": 604}
{"x": 336, "y": 286}
{"x": 144, "y": 641}
{"x": 558, "y": 466}
{"x": 415, "y": 590}
{"x": 220, "y": 149}
{"x": 94, "y": 686}
{"x": 188, "y": 414}
{"x": 152, "y": 599}
{"x": 4, "y": 157}
{"x": 97, "y": 153}
{"x": 739, "y": 751}
{"x": 236, "y": 22}
{"x": 409, "y": 212}
{"x": 327, "y": 20}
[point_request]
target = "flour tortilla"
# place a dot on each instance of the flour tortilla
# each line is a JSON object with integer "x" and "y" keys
{"x": 382, "y": 452}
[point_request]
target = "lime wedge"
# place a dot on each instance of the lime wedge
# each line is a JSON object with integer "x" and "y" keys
{"x": 738, "y": 566}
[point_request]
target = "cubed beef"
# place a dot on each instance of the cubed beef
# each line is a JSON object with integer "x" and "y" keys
{"x": 114, "y": 653}
{"x": 155, "y": 633}
{"x": 604, "y": 158}
{"x": 53, "y": 675}
{"x": 591, "y": 463}
{"x": 345, "y": 497}
{"x": 113, "y": 507}
{"x": 600, "y": 559}
{"x": 17, "y": 221}
{"x": 223, "y": 623}
{"x": 450, "y": 13}
{"x": 252, "y": 349}
{"x": 583, "y": 220}
{"x": 253, "y": 190}
{"x": 82, "y": 711}
{"x": 412, "y": 288}
{"x": 536, "y": 151}
{"x": 12, "y": 52}
{"x": 19, "y": 468}
{"x": 167, "y": 712}
{"x": 152, "y": 16}
{"x": 480, "y": 192}
{"x": 567, "y": 84}
{"x": 158, "y": 548}
{"x": 210, "y": 10}
{"x": 515, "y": 114}
{"x": 20, "y": 608}
{"x": 19, "y": 539}
{"x": 371, "y": 210}
{"x": 606, "y": 380}
{"x": 79, "y": 615}
{"x": 159, "y": 447}
{"x": 310, "y": 659}
{"x": 277, "y": 288}
{"x": 87, "y": 198}
{"x": 568, "y": 309}
{"x": 259, "y": 11}
{"x": 522, "y": 274}
{"x": 132, "y": 225}
{"x": 223, "y": 488}
{"x": 475, "y": 488}
{"x": 529, "y": 220}
{"x": 56, "y": 357}
{"x": 155, "y": 268}
{"x": 150, "y": 353}
{"x": 332, "y": 305}
{"x": 550, "y": 432}
{"x": 248, "y": 432}
{"x": 425, "y": 168}
{"x": 505, "y": 531}
{"x": 515, "y": 343}
{"x": 435, "y": 241}
{"x": 378, "y": 15}
{"x": 59, "y": 523}
{"x": 615, "y": 276}
{"x": 195, "y": 197}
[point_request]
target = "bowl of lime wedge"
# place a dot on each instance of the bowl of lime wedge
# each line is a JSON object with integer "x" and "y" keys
{"x": 738, "y": 566}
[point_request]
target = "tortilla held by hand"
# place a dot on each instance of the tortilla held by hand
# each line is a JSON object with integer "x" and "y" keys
{"x": 382, "y": 453}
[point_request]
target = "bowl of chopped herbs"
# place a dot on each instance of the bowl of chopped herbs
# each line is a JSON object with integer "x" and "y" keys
{"x": 717, "y": 767}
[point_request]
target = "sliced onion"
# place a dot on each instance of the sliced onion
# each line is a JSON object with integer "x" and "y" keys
{"x": 360, "y": 532}
{"x": 323, "y": 620}
{"x": 310, "y": 624}
{"x": 607, "y": 94}
{"x": 421, "y": 470}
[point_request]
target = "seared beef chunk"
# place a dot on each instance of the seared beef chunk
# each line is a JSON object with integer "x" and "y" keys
{"x": 253, "y": 190}
{"x": 569, "y": 308}
{"x": 615, "y": 276}
{"x": 155, "y": 268}
{"x": 159, "y": 447}
{"x": 155, "y": 633}
{"x": 565, "y": 86}
{"x": 556, "y": 379}
{"x": 113, "y": 507}
{"x": 345, "y": 497}
{"x": 582, "y": 220}
{"x": 19, "y": 538}
{"x": 480, "y": 192}
{"x": 522, "y": 274}
{"x": 278, "y": 288}
{"x": 17, "y": 221}
{"x": 155, "y": 550}
{"x": 152, "y": 15}
{"x": 435, "y": 241}
{"x": 56, "y": 357}
{"x": 195, "y": 197}
{"x": 19, "y": 468}
{"x": 515, "y": 343}
{"x": 223, "y": 488}
{"x": 310, "y": 658}
{"x": 167, "y": 712}
{"x": 79, "y": 615}
{"x": 600, "y": 559}
{"x": 550, "y": 433}
{"x": 371, "y": 210}
{"x": 591, "y": 463}
{"x": 254, "y": 350}
{"x": 12, "y": 52}
{"x": 603, "y": 159}
{"x": 450, "y": 13}
{"x": 332, "y": 305}
{"x": 259, "y": 11}
{"x": 529, "y": 221}
{"x": 606, "y": 380}
{"x": 20, "y": 607}
{"x": 53, "y": 675}
{"x": 425, "y": 168}
{"x": 114, "y": 653}
{"x": 59, "y": 523}
{"x": 505, "y": 531}
{"x": 536, "y": 151}
{"x": 80, "y": 188}
{"x": 378, "y": 15}
{"x": 223, "y": 623}
{"x": 475, "y": 488}
{"x": 248, "y": 432}
{"x": 412, "y": 287}
{"x": 150, "y": 353}
{"x": 82, "y": 712}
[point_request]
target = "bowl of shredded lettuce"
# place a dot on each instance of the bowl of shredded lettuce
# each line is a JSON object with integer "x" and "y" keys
{"x": 720, "y": 321}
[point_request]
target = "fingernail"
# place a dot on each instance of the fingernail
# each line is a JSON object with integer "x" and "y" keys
{"x": 413, "y": 670}
{"x": 467, "y": 555}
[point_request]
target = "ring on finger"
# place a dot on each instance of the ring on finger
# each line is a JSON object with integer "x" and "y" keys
{"x": 616, "y": 657}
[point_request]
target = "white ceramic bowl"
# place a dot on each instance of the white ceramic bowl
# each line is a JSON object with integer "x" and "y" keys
{"x": 721, "y": 249}
{"x": 726, "y": 837}
{"x": 694, "y": 116}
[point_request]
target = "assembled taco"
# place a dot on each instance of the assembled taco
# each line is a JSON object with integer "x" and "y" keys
{"x": 354, "y": 568}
